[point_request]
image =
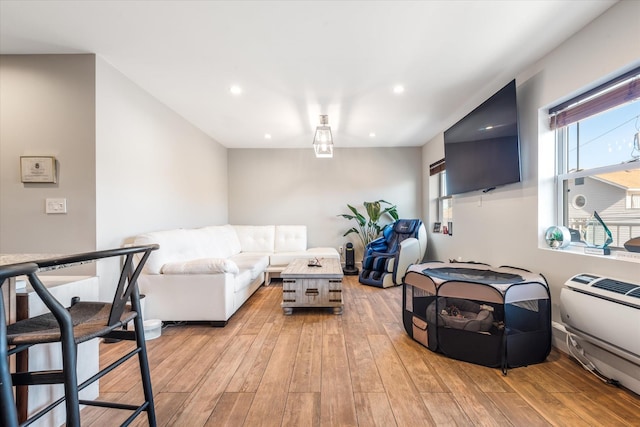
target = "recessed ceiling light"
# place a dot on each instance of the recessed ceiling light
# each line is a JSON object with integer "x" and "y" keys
{"x": 372, "y": 134}
{"x": 267, "y": 136}
{"x": 398, "y": 89}
{"x": 235, "y": 89}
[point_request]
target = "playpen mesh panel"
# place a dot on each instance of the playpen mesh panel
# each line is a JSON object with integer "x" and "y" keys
{"x": 474, "y": 347}
{"x": 460, "y": 313}
{"x": 528, "y": 336}
{"x": 487, "y": 277}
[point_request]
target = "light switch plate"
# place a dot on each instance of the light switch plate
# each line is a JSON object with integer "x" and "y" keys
{"x": 56, "y": 206}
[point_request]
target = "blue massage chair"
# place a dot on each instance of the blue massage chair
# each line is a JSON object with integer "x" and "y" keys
{"x": 387, "y": 258}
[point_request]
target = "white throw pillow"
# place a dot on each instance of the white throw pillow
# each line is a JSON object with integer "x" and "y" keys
{"x": 201, "y": 266}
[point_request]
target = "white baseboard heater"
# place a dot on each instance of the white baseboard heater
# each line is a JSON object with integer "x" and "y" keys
{"x": 605, "y": 312}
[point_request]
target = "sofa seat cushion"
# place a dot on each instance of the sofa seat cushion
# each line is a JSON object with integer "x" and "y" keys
{"x": 284, "y": 258}
{"x": 242, "y": 280}
{"x": 201, "y": 266}
{"x": 256, "y": 263}
{"x": 323, "y": 253}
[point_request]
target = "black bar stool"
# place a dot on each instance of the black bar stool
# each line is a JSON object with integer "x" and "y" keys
{"x": 81, "y": 322}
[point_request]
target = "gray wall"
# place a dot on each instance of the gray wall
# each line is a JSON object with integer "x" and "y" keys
{"x": 47, "y": 108}
{"x": 291, "y": 186}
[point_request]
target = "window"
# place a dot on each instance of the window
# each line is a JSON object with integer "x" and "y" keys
{"x": 598, "y": 151}
{"x": 438, "y": 171}
{"x": 445, "y": 201}
{"x": 633, "y": 200}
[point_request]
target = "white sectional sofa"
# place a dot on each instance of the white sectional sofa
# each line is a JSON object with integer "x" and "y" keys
{"x": 206, "y": 274}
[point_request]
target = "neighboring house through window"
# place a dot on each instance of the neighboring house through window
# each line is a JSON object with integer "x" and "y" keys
{"x": 598, "y": 151}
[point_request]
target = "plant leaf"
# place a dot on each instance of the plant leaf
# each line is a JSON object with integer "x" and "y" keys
{"x": 346, "y": 216}
{"x": 392, "y": 211}
{"x": 373, "y": 210}
{"x": 349, "y": 231}
{"x": 354, "y": 210}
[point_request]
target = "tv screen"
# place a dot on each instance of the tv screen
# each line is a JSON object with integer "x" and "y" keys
{"x": 482, "y": 151}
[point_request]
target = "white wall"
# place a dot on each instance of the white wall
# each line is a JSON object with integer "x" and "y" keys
{"x": 291, "y": 186}
{"x": 154, "y": 170}
{"x": 506, "y": 226}
{"x": 47, "y": 108}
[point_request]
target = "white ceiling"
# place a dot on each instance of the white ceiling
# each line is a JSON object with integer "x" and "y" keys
{"x": 298, "y": 59}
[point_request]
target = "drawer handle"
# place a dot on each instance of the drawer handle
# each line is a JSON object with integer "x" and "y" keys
{"x": 312, "y": 292}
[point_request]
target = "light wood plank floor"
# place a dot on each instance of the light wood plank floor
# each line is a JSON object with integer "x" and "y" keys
{"x": 316, "y": 368}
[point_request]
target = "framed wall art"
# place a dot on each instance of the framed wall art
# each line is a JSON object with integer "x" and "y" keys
{"x": 41, "y": 169}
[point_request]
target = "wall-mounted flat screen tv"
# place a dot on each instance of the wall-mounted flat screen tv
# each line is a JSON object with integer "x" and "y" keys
{"x": 482, "y": 151}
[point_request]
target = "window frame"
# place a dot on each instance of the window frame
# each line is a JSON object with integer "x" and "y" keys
{"x": 633, "y": 199}
{"x": 618, "y": 91}
{"x": 438, "y": 169}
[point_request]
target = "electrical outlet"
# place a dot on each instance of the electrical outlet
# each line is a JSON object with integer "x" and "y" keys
{"x": 340, "y": 249}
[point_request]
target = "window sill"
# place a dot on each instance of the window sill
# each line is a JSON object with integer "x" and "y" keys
{"x": 616, "y": 255}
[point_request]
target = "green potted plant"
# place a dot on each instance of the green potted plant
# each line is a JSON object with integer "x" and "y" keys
{"x": 368, "y": 229}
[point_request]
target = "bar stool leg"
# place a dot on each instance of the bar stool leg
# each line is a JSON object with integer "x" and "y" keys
{"x": 144, "y": 370}
{"x": 69, "y": 367}
{"x": 9, "y": 414}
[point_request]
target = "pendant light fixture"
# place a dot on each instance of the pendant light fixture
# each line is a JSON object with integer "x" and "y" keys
{"x": 323, "y": 140}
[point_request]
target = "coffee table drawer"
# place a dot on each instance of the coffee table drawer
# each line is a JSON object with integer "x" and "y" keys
{"x": 304, "y": 286}
{"x": 311, "y": 293}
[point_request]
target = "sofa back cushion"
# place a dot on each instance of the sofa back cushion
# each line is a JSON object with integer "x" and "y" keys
{"x": 290, "y": 238}
{"x": 256, "y": 238}
{"x": 224, "y": 239}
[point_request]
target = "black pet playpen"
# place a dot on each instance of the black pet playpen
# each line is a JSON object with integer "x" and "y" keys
{"x": 491, "y": 316}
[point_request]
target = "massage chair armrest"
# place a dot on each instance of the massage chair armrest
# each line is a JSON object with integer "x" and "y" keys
{"x": 374, "y": 246}
{"x": 382, "y": 254}
{"x": 409, "y": 254}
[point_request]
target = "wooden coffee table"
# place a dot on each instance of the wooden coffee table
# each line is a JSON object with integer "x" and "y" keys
{"x": 304, "y": 286}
